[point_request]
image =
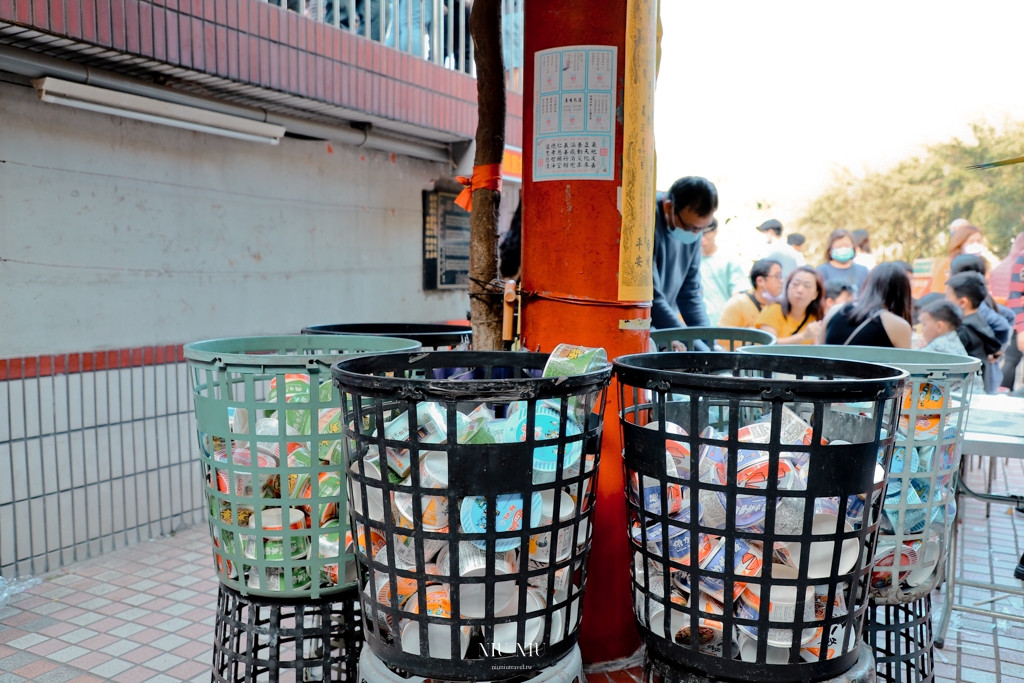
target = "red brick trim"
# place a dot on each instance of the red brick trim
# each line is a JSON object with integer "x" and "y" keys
{"x": 31, "y": 367}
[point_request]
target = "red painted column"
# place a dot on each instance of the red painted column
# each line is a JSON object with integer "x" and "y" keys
{"x": 571, "y": 250}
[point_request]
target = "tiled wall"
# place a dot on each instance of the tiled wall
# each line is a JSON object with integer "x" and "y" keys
{"x": 97, "y": 451}
{"x": 252, "y": 42}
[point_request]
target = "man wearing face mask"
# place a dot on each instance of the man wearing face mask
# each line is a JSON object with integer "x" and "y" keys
{"x": 681, "y": 217}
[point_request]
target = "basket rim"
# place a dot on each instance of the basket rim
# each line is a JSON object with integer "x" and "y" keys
{"x": 247, "y": 351}
{"x": 915, "y": 361}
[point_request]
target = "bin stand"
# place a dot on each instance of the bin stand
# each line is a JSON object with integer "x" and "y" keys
{"x": 280, "y": 639}
{"x": 657, "y": 670}
{"x": 568, "y": 670}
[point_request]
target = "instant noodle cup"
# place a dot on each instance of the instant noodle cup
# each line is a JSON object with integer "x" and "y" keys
{"x": 377, "y": 541}
{"x": 374, "y": 494}
{"x": 679, "y": 451}
{"x": 475, "y": 430}
{"x": 678, "y": 540}
{"x": 438, "y": 604}
{"x": 274, "y": 578}
{"x": 563, "y": 576}
{"x": 545, "y": 428}
{"x": 396, "y": 595}
{"x": 929, "y": 397}
{"x": 405, "y": 547}
{"x": 811, "y": 651}
{"x": 819, "y": 565}
{"x": 506, "y": 634}
{"x": 709, "y": 631}
{"x": 540, "y": 544}
{"x": 651, "y": 493}
{"x": 329, "y": 547}
{"x": 507, "y": 514}
{"x": 567, "y": 360}
{"x": 274, "y": 545}
{"x": 431, "y": 428}
{"x": 928, "y": 557}
{"x": 748, "y": 650}
{"x": 782, "y": 608}
{"x": 330, "y": 423}
{"x": 433, "y": 475}
{"x": 270, "y": 484}
{"x": 328, "y": 486}
{"x": 472, "y": 563}
{"x": 881, "y": 572}
{"x": 747, "y": 556}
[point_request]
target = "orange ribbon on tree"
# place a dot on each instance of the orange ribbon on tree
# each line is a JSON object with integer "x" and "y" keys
{"x": 486, "y": 177}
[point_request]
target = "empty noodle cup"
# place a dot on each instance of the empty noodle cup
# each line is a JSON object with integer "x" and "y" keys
{"x": 438, "y": 604}
{"x": 747, "y": 557}
{"x": 540, "y": 544}
{"x": 273, "y": 578}
{"x": 506, "y": 634}
{"x": 709, "y": 631}
{"x": 405, "y": 547}
{"x": 679, "y": 451}
{"x": 508, "y": 515}
{"x": 927, "y": 559}
{"x": 885, "y": 553}
{"x": 377, "y": 541}
{"x": 748, "y": 650}
{"x": 433, "y": 475}
{"x": 649, "y": 495}
{"x": 274, "y": 546}
{"x": 396, "y": 595}
{"x": 546, "y": 427}
{"x": 782, "y": 608}
{"x": 819, "y": 565}
{"x": 558, "y": 617}
{"x": 473, "y": 562}
{"x": 374, "y": 494}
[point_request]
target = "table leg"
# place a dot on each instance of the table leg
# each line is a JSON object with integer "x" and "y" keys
{"x": 940, "y": 632}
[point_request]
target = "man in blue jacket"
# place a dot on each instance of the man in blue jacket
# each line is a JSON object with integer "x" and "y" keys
{"x": 681, "y": 217}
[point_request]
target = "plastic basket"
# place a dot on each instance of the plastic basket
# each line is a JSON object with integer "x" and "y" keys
{"x": 430, "y": 335}
{"x": 490, "y": 533}
{"x": 276, "y": 504}
{"x": 266, "y": 639}
{"x": 729, "y": 338}
{"x": 920, "y": 491}
{"x": 761, "y": 473}
{"x": 902, "y": 639}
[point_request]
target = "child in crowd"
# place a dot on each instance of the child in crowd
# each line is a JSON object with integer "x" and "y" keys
{"x": 940, "y": 321}
{"x": 968, "y": 291}
{"x": 837, "y": 295}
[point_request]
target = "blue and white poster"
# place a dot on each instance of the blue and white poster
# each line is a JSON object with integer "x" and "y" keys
{"x": 574, "y": 112}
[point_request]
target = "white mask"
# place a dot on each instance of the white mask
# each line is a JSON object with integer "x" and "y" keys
{"x": 973, "y": 248}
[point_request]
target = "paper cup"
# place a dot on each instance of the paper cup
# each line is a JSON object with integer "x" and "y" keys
{"x": 782, "y": 608}
{"x": 274, "y": 546}
{"x": 928, "y": 558}
{"x": 748, "y": 650}
{"x": 374, "y": 494}
{"x": 438, "y": 604}
{"x": 506, "y": 634}
{"x": 273, "y": 579}
{"x": 709, "y": 630}
{"x": 377, "y": 541}
{"x": 540, "y": 544}
{"x": 473, "y": 563}
{"x": 820, "y": 562}
{"x": 558, "y": 617}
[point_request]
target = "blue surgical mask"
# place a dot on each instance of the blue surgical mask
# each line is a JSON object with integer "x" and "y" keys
{"x": 843, "y": 254}
{"x": 683, "y": 236}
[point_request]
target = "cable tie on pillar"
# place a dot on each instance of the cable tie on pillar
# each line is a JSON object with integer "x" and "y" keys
{"x": 586, "y": 302}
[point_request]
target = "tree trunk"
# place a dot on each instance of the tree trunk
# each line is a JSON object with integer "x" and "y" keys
{"x": 485, "y": 300}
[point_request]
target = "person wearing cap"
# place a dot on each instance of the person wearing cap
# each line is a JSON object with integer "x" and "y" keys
{"x": 682, "y": 216}
{"x": 777, "y": 249}
{"x": 796, "y": 241}
{"x": 721, "y": 275}
{"x": 766, "y": 287}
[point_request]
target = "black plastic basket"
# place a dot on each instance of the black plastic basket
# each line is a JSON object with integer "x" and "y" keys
{"x": 515, "y": 602}
{"x": 270, "y": 639}
{"x": 430, "y": 335}
{"x": 902, "y": 639}
{"x": 767, "y": 493}
{"x": 729, "y": 338}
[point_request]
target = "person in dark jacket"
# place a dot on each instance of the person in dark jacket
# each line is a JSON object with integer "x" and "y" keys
{"x": 968, "y": 291}
{"x": 999, "y": 317}
{"x": 681, "y": 217}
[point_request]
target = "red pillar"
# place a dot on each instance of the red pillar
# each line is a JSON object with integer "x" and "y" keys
{"x": 571, "y": 249}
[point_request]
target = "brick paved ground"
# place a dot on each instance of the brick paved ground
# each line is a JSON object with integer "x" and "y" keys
{"x": 147, "y": 613}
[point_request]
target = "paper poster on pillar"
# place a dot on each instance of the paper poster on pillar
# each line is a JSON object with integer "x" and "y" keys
{"x": 574, "y": 132}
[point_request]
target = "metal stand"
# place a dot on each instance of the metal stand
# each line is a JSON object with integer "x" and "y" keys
{"x": 273, "y": 640}
{"x": 658, "y": 670}
{"x": 901, "y": 636}
{"x": 567, "y": 670}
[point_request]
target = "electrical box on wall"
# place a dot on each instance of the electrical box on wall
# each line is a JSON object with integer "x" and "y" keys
{"x": 445, "y": 242}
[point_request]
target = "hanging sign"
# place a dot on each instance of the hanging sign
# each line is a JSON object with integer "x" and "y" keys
{"x": 574, "y": 113}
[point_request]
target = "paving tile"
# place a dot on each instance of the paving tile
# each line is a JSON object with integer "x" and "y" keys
{"x": 67, "y": 654}
{"x": 169, "y": 642}
{"x": 59, "y": 629}
{"x": 141, "y": 654}
{"x": 99, "y": 641}
{"x": 86, "y": 678}
{"x": 11, "y": 678}
{"x": 147, "y": 635}
{"x": 975, "y": 676}
{"x": 51, "y": 645}
{"x": 138, "y": 599}
{"x": 36, "y": 669}
{"x": 126, "y": 630}
{"x": 102, "y": 589}
{"x": 111, "y": 668}
{"x": 90, "y": 660}
{"x": 94, "y": 604}
{"x": 78, "y": 635}
{"x": 27, "y": 641}
{"x": 173, "y": 625}
{"x": 16, "y": 661}
{"x": 67, "y": 579}
{"x": 49, "y": 608}
{"x": 61, "y": 674}
{"x": 108, "y": 576}
{"x": 194, "y": 650}
{"x": 86, "y": 619}
{"x": 187, "y": 670}
{"x": 164, "y": 661}
{"x": 118, "y": 648}
{"x": 181, "y": 594}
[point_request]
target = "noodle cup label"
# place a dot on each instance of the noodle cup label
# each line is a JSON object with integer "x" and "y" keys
{"x": 243, "y": 480}
{"x": 405, "y": 547}
{"x": 330, "y": 423}
{"x": 329, "y": 486}
{"x": 431, "y": 428}
{"x": 439, "y": 603}
{"x": 377, "y": 542}
{"x": 273, "y": 579}
{"x": 384, "y": 620}
{"x": 678, "y": 542}
{"x": 563, "y": 576}
{"x": 507, "y": 513}
{"x": 881, "y": 572}
{"x": 748, "y": 562}
{"x": 929, "y": 397}
{"x": 434, "y": 509}
{"x": 404, "y": 588}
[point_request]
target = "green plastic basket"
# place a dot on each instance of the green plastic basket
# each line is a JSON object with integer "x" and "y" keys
{"x": 275, "y": 472}
{"x": 921, "y": 491}
{"x": 729, "y": 338}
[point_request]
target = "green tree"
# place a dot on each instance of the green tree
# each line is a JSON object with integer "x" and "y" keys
{"x": 908, "y": 208}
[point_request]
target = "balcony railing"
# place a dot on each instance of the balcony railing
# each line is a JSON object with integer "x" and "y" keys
{"x": 435, "y": 30}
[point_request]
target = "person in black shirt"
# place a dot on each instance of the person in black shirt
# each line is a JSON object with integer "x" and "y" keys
{"x": 880, "y": 316}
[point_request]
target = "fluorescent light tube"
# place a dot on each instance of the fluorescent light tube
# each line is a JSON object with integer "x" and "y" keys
{"x": 147, "y": 109}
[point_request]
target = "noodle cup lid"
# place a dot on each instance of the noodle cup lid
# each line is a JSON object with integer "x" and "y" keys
{"x": 508, "y": 516}
{"x": 435, "y": 464}
{"x": 438, "y": 639}
{"x": 546, "y": 427}
{"x": 566, "y": 512}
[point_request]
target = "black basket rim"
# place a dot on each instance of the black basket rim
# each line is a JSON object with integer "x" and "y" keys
{"x": 428, "y": 334}
{"x": 356, "y": 373}
{"x": 682, "y": 370}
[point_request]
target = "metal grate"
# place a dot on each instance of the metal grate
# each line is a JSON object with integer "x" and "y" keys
{"x": 97, "y": 452}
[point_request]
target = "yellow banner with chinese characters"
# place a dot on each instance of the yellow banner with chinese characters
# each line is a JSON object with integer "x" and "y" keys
{"x": 636, "y": 243}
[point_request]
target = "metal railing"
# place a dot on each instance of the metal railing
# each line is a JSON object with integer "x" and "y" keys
{"x": 94, "y": 460}
{"x": 417, "y": 26}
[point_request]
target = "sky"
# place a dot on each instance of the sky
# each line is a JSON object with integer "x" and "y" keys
{"x": 769, "y": 99}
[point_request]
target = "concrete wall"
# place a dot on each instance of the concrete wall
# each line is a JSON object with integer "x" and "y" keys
{"x": 116, "y": 233}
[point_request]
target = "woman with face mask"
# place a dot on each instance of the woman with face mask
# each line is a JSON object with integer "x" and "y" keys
{"x": 840, "y": 265}
{"x": 966, "y": 239}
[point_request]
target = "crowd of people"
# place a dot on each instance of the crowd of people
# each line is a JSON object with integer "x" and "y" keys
{"x": 850, "y": 299}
